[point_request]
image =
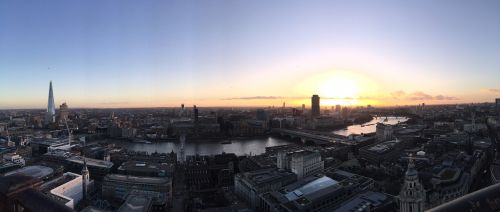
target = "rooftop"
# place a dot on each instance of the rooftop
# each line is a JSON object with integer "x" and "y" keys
{"x": 364, "y": 200}
{"x": 79, "y": 159}
{"x": 383, "y": 147}
{"x": 311, "y": 187}
{"x": 136, "y": 203}
{"x": 264, "y": 176}
{"x": 37, "y": 171}
{"x": 91, "y": 161}
{"x": 135, "y": 179}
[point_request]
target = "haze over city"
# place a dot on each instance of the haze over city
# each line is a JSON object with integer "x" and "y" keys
{"x": 248, "y": 53}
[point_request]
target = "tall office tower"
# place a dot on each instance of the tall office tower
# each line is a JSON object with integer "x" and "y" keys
{"x": 303, "y": 108}
{"x": 497, "y": 102}
{"x": 50, "y": 115}
{"x": 63, "y": 112}
{"x": 195, "y": 113}
{"x": 181, "y": 113}
{"x": 315, "y": 105}
{"x": 412, "y": 196}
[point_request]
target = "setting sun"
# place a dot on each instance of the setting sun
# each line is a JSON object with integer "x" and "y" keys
{"x": 338, "y": 87}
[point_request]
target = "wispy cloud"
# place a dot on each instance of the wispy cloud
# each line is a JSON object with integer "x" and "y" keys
{"x": 254, "y": 98}
{"x": 292, "y": 97}
{"x": 420, "y": 96}
{"x": 398, "y": 94}
{"x": 113, "y": 103}
{"x": 441, "y": 97}
{"x": 493, "y": 90}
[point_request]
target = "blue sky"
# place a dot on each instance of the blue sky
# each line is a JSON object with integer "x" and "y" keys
{"x": 161, "y": 53}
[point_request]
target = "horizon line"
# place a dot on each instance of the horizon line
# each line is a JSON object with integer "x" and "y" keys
{"x": 254, "y": 106}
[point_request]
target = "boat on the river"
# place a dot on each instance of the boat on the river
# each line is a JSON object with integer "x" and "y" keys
{"x": 141, "y": 141}
{"x": 226, "y": 142}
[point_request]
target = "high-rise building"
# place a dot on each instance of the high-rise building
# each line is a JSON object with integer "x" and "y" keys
{"x": 195, "y": 113}
{"x": 50, "y": 115}
{"x": 315, "y": 105}
{"x": 412, "y": 196}
{"x": 338, "y": 108}
{"x": 63, "y": 112}
{"x": 497, "y": 101}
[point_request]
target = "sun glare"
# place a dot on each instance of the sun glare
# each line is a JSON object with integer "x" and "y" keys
{"x": 338, "y": 88}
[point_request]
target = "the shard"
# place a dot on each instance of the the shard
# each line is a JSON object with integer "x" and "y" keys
{"x": 50, "y": 115}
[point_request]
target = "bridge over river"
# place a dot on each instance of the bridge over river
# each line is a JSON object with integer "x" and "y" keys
{"x": 314, "y": 137}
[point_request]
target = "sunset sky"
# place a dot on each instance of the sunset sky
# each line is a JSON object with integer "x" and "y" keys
{"x": 248, "y": 53}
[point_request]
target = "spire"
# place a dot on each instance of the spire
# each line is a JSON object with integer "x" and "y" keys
{"x": 84, "y": 163}
{"x": 50, "y": 116}
{"x": 85, "y": 179}
{"x": 411, "y": 171}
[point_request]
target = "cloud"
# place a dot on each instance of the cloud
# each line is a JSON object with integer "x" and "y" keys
{"x": 254, "y": 98}
{"x": 292, "y": 97}
{"x": 113, "y": 103}
{"x": 495, "y": 91}
{"x": 398, "y": 94}
{"x": 441, "y": 97}
{"x": 420, "y": 96}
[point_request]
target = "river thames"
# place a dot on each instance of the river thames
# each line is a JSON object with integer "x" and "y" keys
{"x": 370, "y": 126}
{"x": 243, "y": 146}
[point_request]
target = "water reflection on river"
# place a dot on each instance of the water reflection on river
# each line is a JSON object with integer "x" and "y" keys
{"x": 369, "y": 127}
{"x": 241, "y": 146}
{"x": 238, "y": 146}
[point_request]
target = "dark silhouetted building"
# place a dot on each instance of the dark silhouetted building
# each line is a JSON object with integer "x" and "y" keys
{"x": 315, "y": 106}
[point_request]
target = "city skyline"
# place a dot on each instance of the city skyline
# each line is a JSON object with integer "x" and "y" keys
{"x": 163, "y": 54}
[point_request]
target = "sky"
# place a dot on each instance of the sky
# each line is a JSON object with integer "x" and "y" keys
{"x": 248, "y": 53}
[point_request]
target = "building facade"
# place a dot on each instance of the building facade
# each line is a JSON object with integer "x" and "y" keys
{"x": 384, "y": 132}
{"x": 412, "y": 196}
{"x": 302, "y": 163}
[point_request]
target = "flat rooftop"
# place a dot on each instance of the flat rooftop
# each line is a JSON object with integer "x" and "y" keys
{"x": 365, "y": 200}
{"x": 37, "y": 171}
{"x": 136, "y": 203}
{"x": 311, "y": 187}
{"x": 383, "y": 147}
{"x": 91, "y": 161}
{"x": 264, "y": 176}
{"x": 136, "y": 179}
{"x": 143, "y": 166}
{"x": 79, "y": 159}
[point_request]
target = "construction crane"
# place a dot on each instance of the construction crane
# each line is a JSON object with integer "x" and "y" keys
{"x": 69, "y": 133}
{"x": 9, "y": 142}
